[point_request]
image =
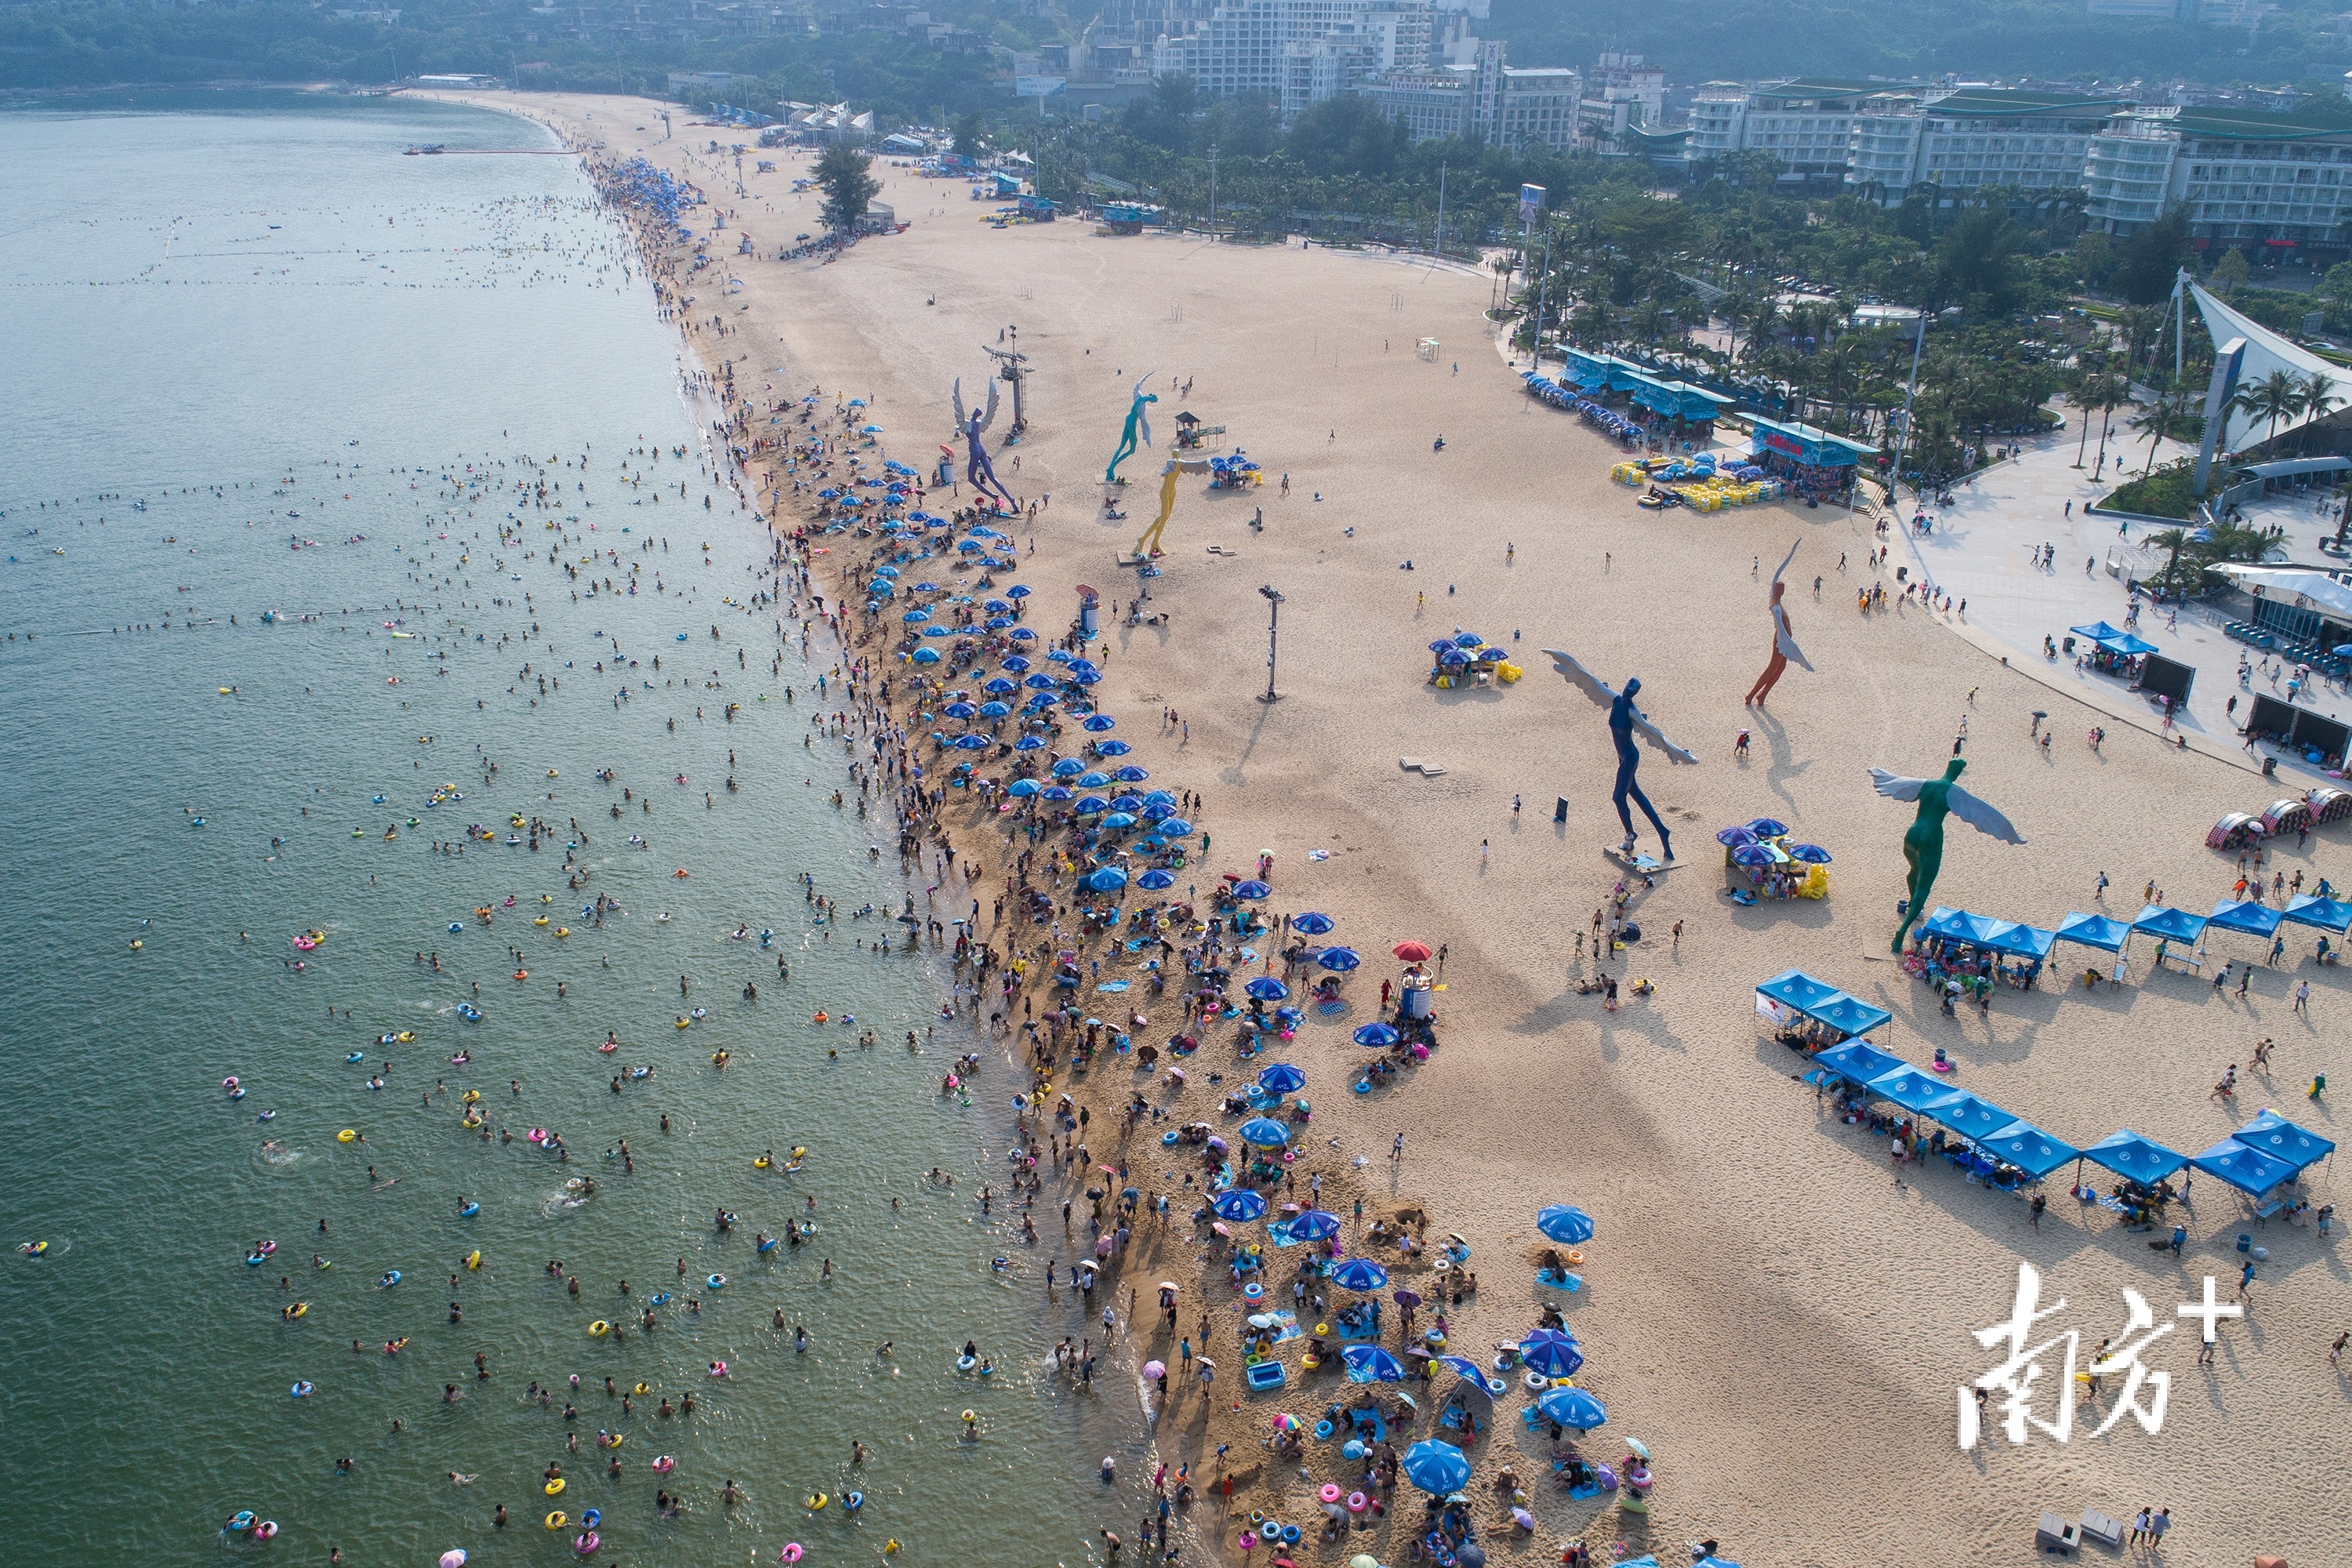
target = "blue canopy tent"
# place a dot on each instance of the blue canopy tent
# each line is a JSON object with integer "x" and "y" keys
{"x": 2172, "y": 924}
{"x": 2251, "y": 918}
{"x": 2028, "y": 1148}
{"x": 2274, "y": 1135}
{"x": 1857, "y": 1059}
{"x": 1909, "y": 1087}
{"x": 2018, "y": 940}
{"x": 2327, "y": 914}
{"x": 2250, "y": 1169}
{"x": 2098, "y": 631}
{"x": 1801, "y": 993}
{"x": 2127, "y": 646}
{"x": 2128, "y": 1154}
{"x": 1971, "y": 1116}
{"x": 2095, "y": 930}
{"x": 2009, "y": 937}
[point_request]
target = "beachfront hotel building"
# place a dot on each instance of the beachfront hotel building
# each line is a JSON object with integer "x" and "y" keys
{"x": 2284, "y": 180}
{"x": 1297, "y": 52}
{"x": 1967, "y": 138}
{"x": 1487, "y": 101}
{"x": 1807, "y": 124}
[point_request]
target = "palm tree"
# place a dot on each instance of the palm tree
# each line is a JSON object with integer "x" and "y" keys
{"x": 2167, "y": 421}
{"x": 2319, "y": 397}
{"x": 2085, "y": 396}
{"x": 2175, "y": 541}
{"x": 2276, "y": 396}
{"x": 2115, "y": 392}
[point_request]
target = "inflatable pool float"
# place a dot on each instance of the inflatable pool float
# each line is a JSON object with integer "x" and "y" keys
{"x": 33, "y": 1248}
{"x": 791, "y": 1554}
{"x": 716, "y": 1282}
{"x": 1358, "y": 1502}
{"x": 854, "y": 1501}
{"x": 814, "y": 1501}
{"x": 264, "y": 1529}
{"x": 356, "y": 1057}
{"x": 767, "y": 1244}
{"x": 760, "y": 1162}
{"x": 301, "y": 1390}
{"x": 557, "y": 1520}
{"x": 391, "y": 1277}
{"x": 719, "y": 1369}
{"x": 555, "y": 1486}
{"x": 966, "y": 1362}
{"x": 599, "y": 1329}
{"x": 664, "y": 1464}
{"x": 468, "y": 1209}
{"x": 345, "y": 1136}
{"x": 586, "y": 1542}
{"x": 660, "y": 1298}
{"x": 474, "y": 1259}
{"x": 592, "y": 1518}
{"x": 240, "y": 1522}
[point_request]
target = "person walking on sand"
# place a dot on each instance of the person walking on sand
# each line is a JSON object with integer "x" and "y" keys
{"x": 1396, "y": 1150}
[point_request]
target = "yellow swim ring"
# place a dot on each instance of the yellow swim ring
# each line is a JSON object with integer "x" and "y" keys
{"x": 760, "y": 1163}
{"x": 405, "y": 1035}
{"x": 798, "y": 1151}
{"x": 474, "y": 1259}
{"x": 471, "y": 1096}
{"x": 557, "y": 1520}
{"x": 471, "y": 1122}
{"x": 345, "y": 1136}
{"x": 599, "y": 1329}
{"x": 644, "y": 1389}
{"x": 555, "y": 1486}
{"x": 1575, "y": 1255}
{"x": 563, "y": 931}
{"x": 814, "y": 1501}
{"x": 539, "y": 922}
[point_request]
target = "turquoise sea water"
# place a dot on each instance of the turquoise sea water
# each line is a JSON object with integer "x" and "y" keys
{"x": 220, "y": 314}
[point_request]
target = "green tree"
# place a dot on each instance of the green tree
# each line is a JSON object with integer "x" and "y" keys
{"x": 1348, "y": 134}
{"x": 845, "y": 175}
{"x": 2229, "y": 273}
{"x": 2146, "y": 262}
{"x": 971, "y": 138}
{"x": 1645, "y": 229}
{"x": 1975, "y": 260}
{"x": 2278, "y": 396}
{"x": 2170, "y": 420}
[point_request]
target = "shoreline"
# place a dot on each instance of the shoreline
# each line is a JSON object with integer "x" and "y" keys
{"x": 1811, "y": 1283}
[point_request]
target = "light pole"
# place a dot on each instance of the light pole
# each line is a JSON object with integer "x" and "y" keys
{"x": 1272, "y": 628}
{"x": 1213, "y": 190}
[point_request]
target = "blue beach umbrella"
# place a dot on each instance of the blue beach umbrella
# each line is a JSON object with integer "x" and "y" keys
{"x": 1251, "y": 888}
{"x": 1338, "y": 960}
{"x": 935, "y": 630}
{"x": 916, "y": 617}
{"x": 1573, "y": 1407}
{"x": 1733, "y": 837}
{"x": 1551, "y": 1354}
{"x": 1752, "y": 855}
{"x": 998, "y": 622}
{"x": 1241, "y": 1205}
{"x": 1057, "y": 793}
{"x": 1125, "y": 803}
{"x": 997, "y": 686}
{"x": 970, "y": 743}
{"x": 1154, "y": 881}
{"x": 959, "y": 710}
{"x": 1282, "y": 1078}
{"x": 1019, "y": 590}
{"x": 1108, "y": 879}
{"x": 1091, "y": 805}
{"x": 1264, "y": 1133}
{"x": 1463, "y": 1366}
{"x": 1315, "y": 1225}
{"x": 1469, "y": 639}
{"x": 1131, "y": 774}
{"x": 1267, "y": 988}
{"x": 997, "y": 606}
{"x": 1112, "y": 748}
{"x": 1809, "y": 853}
{"x": 1565, "y": 1224}
{"x": 1768, "y": 828}
{"x": 1040, "y": 681}
{"x": 1021, "y": 789}
{"x": 1370, "y": 1363}
{"x": 1436, "y": 1468}
{"x": 994, "y": 711}
{"x": 1029, "y": 743}
{"x": 1015, "y": 665}
{"x": 1174, "y": 827}
{"x": 1068, "y": 768}
{"x": 1359, "y": 1273}
{"x": 1311, "y": 923}
{"x": 1022, "y": 633}
{"x": 1091, "y": 779}
{"x": 1098, "y": 722}
{"x": 1119, "y": 819}
{"x": 1379, "y": 1036}
{"x": 926, "y": 656}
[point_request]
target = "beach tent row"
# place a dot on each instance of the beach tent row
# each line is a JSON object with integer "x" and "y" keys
{"x": 2161, "y": 921}
{"x": 2259, "y": 1156}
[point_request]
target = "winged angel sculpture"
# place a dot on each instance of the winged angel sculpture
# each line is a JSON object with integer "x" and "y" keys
{"x": 1923, "y": 845}
{"x": 979, "y": 472}
{"x": 1625, "y": 722}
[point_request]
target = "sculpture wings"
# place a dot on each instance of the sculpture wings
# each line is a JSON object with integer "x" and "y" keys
{"x": 1964, "y": 805}
{"x": 1142, "y": 410}
{"x": 1593, "y": 686}
{"x": 1781, "y": 641}
{"x": 987, "y": 417}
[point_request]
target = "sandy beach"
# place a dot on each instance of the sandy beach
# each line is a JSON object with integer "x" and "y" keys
{"x": 1780, "y": 1317}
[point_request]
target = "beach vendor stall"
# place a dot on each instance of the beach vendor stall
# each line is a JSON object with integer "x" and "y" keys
{"x": 1815, "y": 464}
{"x": 1812, "y": 1014}
{"x": 1466, "y": 659}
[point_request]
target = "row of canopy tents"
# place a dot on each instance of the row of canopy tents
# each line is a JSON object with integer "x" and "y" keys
{"x": 2166, "y": 922}
{"x": 2259, "y": 1156}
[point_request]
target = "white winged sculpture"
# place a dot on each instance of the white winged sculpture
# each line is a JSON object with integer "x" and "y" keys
{"x": 1784, "y": 642}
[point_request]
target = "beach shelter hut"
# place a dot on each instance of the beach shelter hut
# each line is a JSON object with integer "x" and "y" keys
{"x": 1857, "y": 1059}
{"x": 2171, "y": 925}
{"x": 2128, "y": 1154}
{"x": 2250, "y": 1169}
{"x": 2325, "y": 914}
{"x": 2246, "y": 917}
{"x": 1968, "y": 1115}
{"x": 1909, "y": 1087}
{"x": 2274, "y": 1135}
{"x": 2028, "y": 1148}
{"x": 2095, "y": 930}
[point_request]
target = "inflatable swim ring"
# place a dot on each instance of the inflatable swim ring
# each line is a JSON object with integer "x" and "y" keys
{"x": 474, "y": 1259}
{"x": 854, "y": 1501}
{"x": 33, "y": 1248}
{"x": 966, "y": 1362}
{"x": 557, "y": 1520}
{"x": 1574, "y": 1257}
{"x": 820, "y": 1017}
{"x": 716, "y": 1282}
{"x": 660, "y": 1298}
{"x": 643, "y": 1389}
{"x": 555, "y": 1486}
{"x": 264, "y": 1529}
{"x": 760, "y": 1162}
{"x": 592, "y": 1518}
{"x": 300, "y": 1309}
{"x": 391, "y": 1277}
{"x": 468, "y": 1209}
{"x": 586, "y": 1542}
{"x": 664, "y": 1464}
{"x": 791, "y": 1554}
{"x": 301, "y": 1390}
{"x": 813, "y": 1501}
{"x": 356, "y": 1057}
{"x": 719, "y": 1369}
{"x": 229, "y": 1082}
{"x": 241, "y": 1520}
{"x": 599, "y": 1329}
{"x": 346, "y": 1135}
